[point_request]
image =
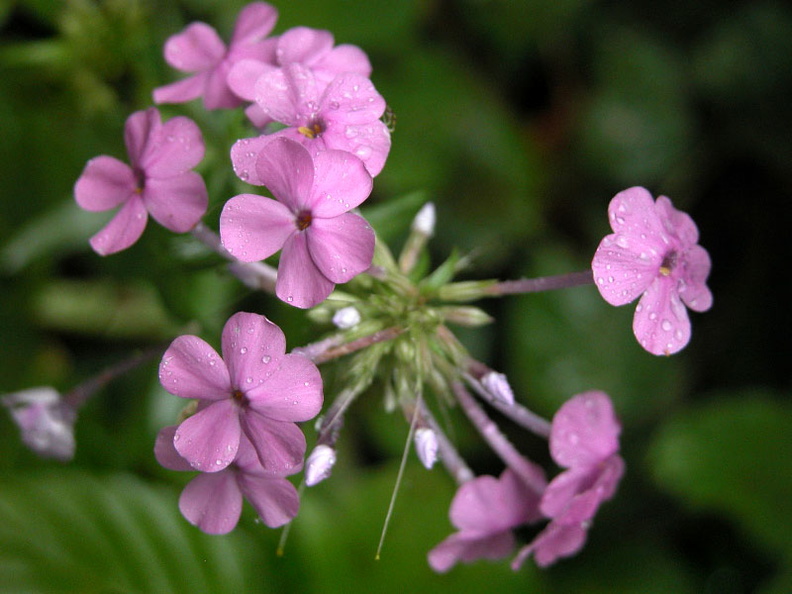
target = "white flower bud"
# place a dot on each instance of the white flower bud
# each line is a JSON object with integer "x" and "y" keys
{"x": 47, "y": 424}
{"x": 498, "y": 387}
{"x": 319, "y": 464}
{"x": 426, "y": 446}
{"x": 346, "y": 317}
{"x": 424, "y": 221}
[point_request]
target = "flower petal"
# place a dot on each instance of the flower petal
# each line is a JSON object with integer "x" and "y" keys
{"x": 243, "y": 76}
{"x": 104, "y": 184}
{"x": 139, "y": 129}
{"x": 287, "y": 169}
{"x": 354, "y": 99}
{"x": 293, "y": 392}
{"x": 341, "y": 183}
{"x": 288, "y": 95}
{"x": 254, "y": 23}
{"x": 165, "y": 452}
{"x": 661, "y": 322}
{"x": 554, "y": 542}
{"x": 584, "y": 431}
{"x": 623, "y": 273}
{"x": 177, "y": 203}
{"x": 212, "y": 502}
{"x": 342, "y": 58}
{"x": 692, "y": 287}
{"x": 341, "y": 247}
{"x": 632, "y": 212}
{"x": 280, "y": 446}
{"x": 195, "y": 49}
{"x": 300, "y": 283}
{"x": 183, "y": 90}
{"x": 124, "y": 229}
{"x": 304, "y": 45}
{"x": 190, "y": 368}
{"x": 254, "y": 227}
{"x": 175, "y": 147}
{"x": 209, "y": 439}
{"x": 274, "y": 498}
{"x": 250, "y": 343}
{"x": 469, "y": 547}
{"x": 676, "y": 223}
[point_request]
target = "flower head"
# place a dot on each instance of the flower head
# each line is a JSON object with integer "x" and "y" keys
{"x": 584, "y": 439}
{"x": 213, "y": 501}
{"x": 486, "y": 510}
{"x": 46, "y": 422}
{"x": 199, "y": 49}
{"x": 323, "y": 244}
{"x": 653, "y": 252}
{"x": 158, "y": 181}
{"x": 254, "y": 389}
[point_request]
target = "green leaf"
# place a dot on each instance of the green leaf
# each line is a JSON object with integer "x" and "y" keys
{"x": 71, "y": 531}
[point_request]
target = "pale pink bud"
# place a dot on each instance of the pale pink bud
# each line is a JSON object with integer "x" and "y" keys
{"x": 498, "y": 387}
{"x": 346, "y": 317}
{"x": 424, "y": 221}
{"x": 47, "y": 425}
{"x": 319, "y": 465}
{"x": 426, "y": 446}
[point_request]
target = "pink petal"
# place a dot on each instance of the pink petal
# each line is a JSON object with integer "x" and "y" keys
{"x": 190, "y": 368}
{"x": 585, "y": 430}
{"x": 554, "y": 542}
{"x": 165, "y": 452}
{"x": 568, "y": 488}
{"x": 217, "y": 94}
{"x": 275, "y": 499}
{"x": 183, "y": 90}
{"x": 352, "y": 98}
{"x": 124, "y": 229}
{"x": 195, "y": 49}
{"x": 370, "y": 143}
{"x": 209, "y": 439}
{"x": 254, "y": 227}
{"x": 292, "y": 393}
{"x": 661, "y": 322}
{"x": 469, "y": 547}
{"x": 212, "y": 502}
{"x": 243, "y": 76}
{"x": 244, "y": 155}
{"x": 343, "y": 58}
{"x": 341, "y": 247}
{"x": 300, "y": 283}
{"x": 175, "y": 147}
{"x": 289, "y": 95}
{"x": 139, "y": 129}
{"x": 341, "y": 183}
{"x": 303, "y": 45}
{"x": 250, "y": 343}
{"x": 255, "y": 22}
{"x": 105, "y": 183}
{"x": 623, "y": 273}
{"x": 632, "y": 212}
{"x": 287, "y": 169}
{"x": 177, "y": 203}
{"x": 693, "y": 288}
{"x": 676, "y": 223}
{"x": 280, "y": 446}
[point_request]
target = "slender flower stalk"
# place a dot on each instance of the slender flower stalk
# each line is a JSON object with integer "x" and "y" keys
{"x": 540, "y": 284}
{"x": 449, "y": 456}
{"x": 335, "y": 352}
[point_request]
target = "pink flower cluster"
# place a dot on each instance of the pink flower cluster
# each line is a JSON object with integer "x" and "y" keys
{"x": 486, "y": 510}
{"x": 243, "y": 436}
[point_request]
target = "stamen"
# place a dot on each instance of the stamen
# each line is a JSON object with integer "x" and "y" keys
{"x": 304, "y": 220}
{"x": 312, "y": 131}
{"x": 668, "y": 263}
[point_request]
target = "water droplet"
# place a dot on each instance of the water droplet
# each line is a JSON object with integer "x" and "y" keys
{"x": 289, "y": 298}
{"x": 249, "y": 380}
{"x": 266, "y": 359}
{"x": 666, "y": 326}
{"x": 243, "y": 350}
{"x": 334, "y": 105}
{"x": 653, "y": 316}
{"x": 219, "y": 462}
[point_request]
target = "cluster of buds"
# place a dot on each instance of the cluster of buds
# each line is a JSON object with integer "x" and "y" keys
{"x": 322, "y": 137}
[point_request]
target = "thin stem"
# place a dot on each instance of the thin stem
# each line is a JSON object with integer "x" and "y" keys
{"x": 256, "y": 275}
{"x": 523, "y": 467}
{"x": 543, "y": 283}
{"x": 335, "y": 352}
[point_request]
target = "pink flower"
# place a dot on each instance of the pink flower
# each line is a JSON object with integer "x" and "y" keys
{"x": 653, "y": 252}
{"x": 45, "y": 421}
{"x": 486, "y": 510}
{"x": 343, "y": 115}
{"x": 158, "y": 182}
{"x": 323, "y": 244}
{"x": 584, "y": 439}
{"x": 213, "y": 501}
{"x": 301, "y": 45}
{"x": 255, "y": 390}
{"x": 199, "y": 49}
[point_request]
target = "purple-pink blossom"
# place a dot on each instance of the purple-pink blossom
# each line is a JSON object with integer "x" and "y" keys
{"x": 255, "y": 390}
{"x": 200, "y": 49}
{"x": 485, "y": 511}
{"x": 584, "y": 439}
{"x": 323, "y": 244}
{"x": 213, "y": 501}
{"x": 653, "y": 252}
{"x": 343, "y": 115}
{"x": 158, "y": 181}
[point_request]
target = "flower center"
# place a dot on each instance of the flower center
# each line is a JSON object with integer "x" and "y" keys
{"x": 668, "y": 263}
{"x": 238, "y": 397}
{"x": 312, "y": 130}
{"x": 140, "y": 181}
{"x": 304, "y": 220}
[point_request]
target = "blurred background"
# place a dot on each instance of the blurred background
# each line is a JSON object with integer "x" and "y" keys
{"x": 520, "y": 120}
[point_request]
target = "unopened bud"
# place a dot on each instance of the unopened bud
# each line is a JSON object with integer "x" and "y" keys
{"x": 424, "y": 221}
{"x": 319, "y": 464}
{"x": 346, "y": 317}
{"x": 47, "y": 425}
{"x": 465, "y": 290}
{"x": 498, "y": 387}
{"x": 466, "y": 315}
{"x": 426, "y": 446}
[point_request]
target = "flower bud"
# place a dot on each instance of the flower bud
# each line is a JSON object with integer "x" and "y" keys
{"x": 47, "y": 424}
{"x": 319, "y": 464}
{"x": 465, "y": 290}
{"x": 424, "y": 221}
{"x": 463, "y": 315}
{"x": 426, "y": 446}
{"x": 346, "y": 317}
{"x": 498, "y": 387}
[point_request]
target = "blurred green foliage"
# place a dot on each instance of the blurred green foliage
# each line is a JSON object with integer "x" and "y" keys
{"x": 520, "y": 120}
